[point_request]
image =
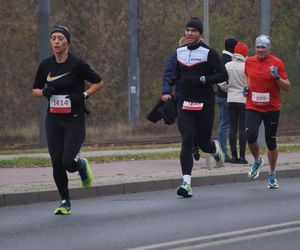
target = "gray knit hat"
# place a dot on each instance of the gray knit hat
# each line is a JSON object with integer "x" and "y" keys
{"x": 263, "y": 41}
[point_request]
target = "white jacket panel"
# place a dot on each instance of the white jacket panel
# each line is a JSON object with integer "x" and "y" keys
{"x": 236, "y": 80}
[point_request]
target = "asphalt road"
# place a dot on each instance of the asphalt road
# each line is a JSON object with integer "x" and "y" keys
{"x": 232, "y": 216}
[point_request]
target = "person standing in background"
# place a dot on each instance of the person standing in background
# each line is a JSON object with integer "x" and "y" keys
{"x": 221, "y": 98}
{"x": 166, "y": 87}
{"x": 265, "y": 77}
{"x": 61, "y": 79}
{"x": 236, "y": 102}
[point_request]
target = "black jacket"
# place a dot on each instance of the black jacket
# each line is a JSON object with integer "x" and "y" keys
{"x": 164, "y": 110}
{"x": 192, "y": 63}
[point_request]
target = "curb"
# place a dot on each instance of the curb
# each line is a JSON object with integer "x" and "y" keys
{"x": 22, "y": 198}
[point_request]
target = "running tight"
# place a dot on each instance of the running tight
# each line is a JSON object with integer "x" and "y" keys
{"x": 191, "y": 123}
{"x": 65, "y": 138}
{"x": 270, "y": 120}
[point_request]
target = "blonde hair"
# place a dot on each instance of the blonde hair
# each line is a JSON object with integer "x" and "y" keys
{"x": 181, "y": 41}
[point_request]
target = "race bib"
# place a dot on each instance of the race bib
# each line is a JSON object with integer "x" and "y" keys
{"x": 192, "y": 106}
{"x": 60, "y": 104}
{"x": 261, "y": 99}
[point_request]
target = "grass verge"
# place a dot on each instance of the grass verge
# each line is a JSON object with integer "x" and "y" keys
{"x": 42, "y": 162}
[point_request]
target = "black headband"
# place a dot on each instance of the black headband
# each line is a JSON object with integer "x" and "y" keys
{"x": 64, "y": 31}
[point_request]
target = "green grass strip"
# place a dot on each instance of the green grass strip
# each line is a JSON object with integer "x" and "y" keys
{"x": 42, "y": 162}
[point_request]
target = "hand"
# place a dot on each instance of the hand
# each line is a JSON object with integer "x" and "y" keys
{"x": 223, "y": 86}
{"x": 245, "y": 91}
{"x": 274, "y": 72}
{"x": 202, "y": 79}
{"x": 48, "y": 91}
{"x": 166, "y": 97}
{"x": 195, "y": 81}
{"x": 76, "y": 98}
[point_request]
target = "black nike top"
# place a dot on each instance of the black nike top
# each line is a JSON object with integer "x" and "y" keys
{"x": 67, "y": 78}
{"x": 192, "y": 63}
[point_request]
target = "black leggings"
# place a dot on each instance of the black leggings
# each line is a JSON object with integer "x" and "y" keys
{"x": 253, "y": 121}
{"x": 65, "y": 138}
{"x": 237, "y": 121}
{"x": 190, "y": 124}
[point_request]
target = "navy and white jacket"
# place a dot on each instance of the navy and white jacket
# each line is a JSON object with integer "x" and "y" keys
{"x": 167, "y": 89}
{"x": 192, "y": 63}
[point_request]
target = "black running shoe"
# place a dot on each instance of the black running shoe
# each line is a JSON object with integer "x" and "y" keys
{"x": 196, "y": 153}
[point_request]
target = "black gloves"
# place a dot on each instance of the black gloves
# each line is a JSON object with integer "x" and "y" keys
{"x": 76, "y": 98}
{"x": 274, "y": 72}
{"x": 245, "y": 91}
{"x": 48, "y": 91}
{"x": 195, "y": 81}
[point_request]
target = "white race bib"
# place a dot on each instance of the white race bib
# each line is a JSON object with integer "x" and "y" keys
{"x": 192, "y": 106}
{"x": 60, "y": 104}
{"x": 261, "y": 99}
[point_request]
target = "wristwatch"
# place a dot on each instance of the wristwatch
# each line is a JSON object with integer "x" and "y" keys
{"x": 85, "y": 95}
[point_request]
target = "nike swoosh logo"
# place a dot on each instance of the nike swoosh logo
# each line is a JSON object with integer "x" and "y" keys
{"x": 53, "y": 78}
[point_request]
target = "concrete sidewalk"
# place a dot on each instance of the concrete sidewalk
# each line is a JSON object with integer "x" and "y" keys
{"x": 32, "y": 185}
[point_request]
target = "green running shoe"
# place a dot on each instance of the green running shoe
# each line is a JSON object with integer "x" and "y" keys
{"x": 86, "y": 174}
{"x": 185, "y": 190}
{"x": 64, "y": 208}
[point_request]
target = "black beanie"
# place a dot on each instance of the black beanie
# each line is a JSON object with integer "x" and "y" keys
{"x": 64, "y": 31}
{"x": 195, "y": 23}
{"x": 230, "y": 44}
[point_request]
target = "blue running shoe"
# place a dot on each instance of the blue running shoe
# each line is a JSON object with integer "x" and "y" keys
{"x": 86, "y": 174}
{"x": 185, "y": 190}
{"x": 219, "y": 155}
{"x": 64, "y": 208}
{"x": 273, "y": 184}
{"x": 254, "y": 171}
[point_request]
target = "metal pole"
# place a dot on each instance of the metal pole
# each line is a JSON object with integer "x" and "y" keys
{"x": 265, "y": 30}
{"x": 133, "y": 65}
{"x": 44, "y": 51}
{"x": 206, "y": 21}
{"x": 265, "y": 17}
{"x": 206, "y": 39}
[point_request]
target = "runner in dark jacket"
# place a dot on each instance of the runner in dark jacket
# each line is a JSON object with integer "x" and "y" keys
{"x": 197, "y": 69}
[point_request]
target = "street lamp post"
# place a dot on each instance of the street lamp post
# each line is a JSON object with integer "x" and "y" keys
{"x": 133, "y": 64}
{"x": 44, "y": 51}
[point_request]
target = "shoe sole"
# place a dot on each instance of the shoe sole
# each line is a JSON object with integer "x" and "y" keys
{"x": 273, "y": 187}
{"x": 62, "y": 212}
{"x": 183, "y": 192}
{"x": 253, "y": 177}
{"x": 90, "y": 173}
